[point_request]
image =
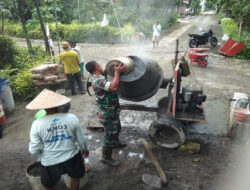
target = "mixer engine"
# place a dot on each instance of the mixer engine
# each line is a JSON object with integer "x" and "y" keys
{"x": 190, "y": 101}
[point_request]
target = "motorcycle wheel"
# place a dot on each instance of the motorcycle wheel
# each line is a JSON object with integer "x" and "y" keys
{"x": 193, "y": 43}
{"x": 213, "y": 41}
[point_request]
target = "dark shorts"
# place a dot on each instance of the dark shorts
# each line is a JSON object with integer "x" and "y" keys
{"x": 74, "y": 167}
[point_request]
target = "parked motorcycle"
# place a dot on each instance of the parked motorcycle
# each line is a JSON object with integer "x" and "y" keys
{"x": 196, "y": 39}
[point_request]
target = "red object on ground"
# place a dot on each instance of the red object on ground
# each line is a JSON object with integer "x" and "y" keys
{"x": 2, "y": 115}
{"x": 199, "y": 50}
{"x": 226, "y": 46}
{"x": 240, "y": 114}
{"x": 199, "y": 58}
{"x": 237, "y": 47}
{"x": 231, "y": 48}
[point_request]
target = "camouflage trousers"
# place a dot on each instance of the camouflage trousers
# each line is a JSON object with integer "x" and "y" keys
{"x": 112, "y": 128}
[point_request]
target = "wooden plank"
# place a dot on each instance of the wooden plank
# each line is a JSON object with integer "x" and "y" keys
{"x": 155, "y": 161}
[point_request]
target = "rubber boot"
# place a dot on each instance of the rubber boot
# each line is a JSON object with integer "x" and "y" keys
{"x": 107, "y": 157}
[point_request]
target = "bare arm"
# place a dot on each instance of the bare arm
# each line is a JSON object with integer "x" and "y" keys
{"x": 116, "y": 79}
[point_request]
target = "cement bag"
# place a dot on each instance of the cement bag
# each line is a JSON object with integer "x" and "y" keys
{"x": 60, "y": 68}
{"x": 38, "y": 82}
{"x": 50, "y": 72}
{"x": 40, "y": 69}
{"x": 36, "y": 76}
{"x": 83, "y": 180}
{"x": 61, "y": 76}
{"x": 52, "y": 66}
{"x": 50, "y": 78}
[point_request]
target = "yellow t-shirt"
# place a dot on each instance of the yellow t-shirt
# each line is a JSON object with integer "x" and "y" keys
{"x": 71, "y": 62}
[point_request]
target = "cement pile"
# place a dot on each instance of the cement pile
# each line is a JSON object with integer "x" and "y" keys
{"x": 47, "y": 74}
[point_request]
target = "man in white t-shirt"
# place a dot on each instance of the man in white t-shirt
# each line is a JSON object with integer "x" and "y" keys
{"x": 77, "y": 49}
{"x": 51, "y": 46}
{"x": 156, "y": 34}
{"x": 59, "y": 139}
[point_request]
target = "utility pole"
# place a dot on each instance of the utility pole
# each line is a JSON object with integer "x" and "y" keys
{"x": 21, "y": 15}
{"x": 57, "y": 33}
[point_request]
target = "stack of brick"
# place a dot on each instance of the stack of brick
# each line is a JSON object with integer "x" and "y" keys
{"x": 47, "y": 74}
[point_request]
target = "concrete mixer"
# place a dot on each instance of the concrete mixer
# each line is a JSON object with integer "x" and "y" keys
{"x": 142, "y": 79}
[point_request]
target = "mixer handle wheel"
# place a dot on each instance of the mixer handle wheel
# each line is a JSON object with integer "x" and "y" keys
{"x": 167, "y": 132}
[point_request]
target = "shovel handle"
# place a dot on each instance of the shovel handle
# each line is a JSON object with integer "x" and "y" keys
{"x": 155, "y": 161}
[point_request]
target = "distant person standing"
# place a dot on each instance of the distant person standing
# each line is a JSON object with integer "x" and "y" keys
{"x": 77, "y": 49}
{"x": 156, "y": 34}
{"x": 51, "y": 46}
{"x": 71, "y": 67}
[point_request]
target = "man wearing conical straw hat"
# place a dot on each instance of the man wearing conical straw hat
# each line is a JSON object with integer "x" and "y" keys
{"x": 59, "y": 139}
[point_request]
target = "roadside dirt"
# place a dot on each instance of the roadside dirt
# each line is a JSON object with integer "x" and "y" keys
{"x": 219, "y": 80}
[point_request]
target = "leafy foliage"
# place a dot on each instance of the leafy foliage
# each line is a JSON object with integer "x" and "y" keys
{"x": 231, "y": 29}
{"x": 92, "y": 32}
{"x": 128, "y": 31}
{"x": 195, "y": 5}
{"x": 17, "y": 69}
{"x": 240, "y": 9}
{"x": 7, "y": 52}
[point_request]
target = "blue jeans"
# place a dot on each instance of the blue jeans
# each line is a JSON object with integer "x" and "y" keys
{"x": 71, "y": 79}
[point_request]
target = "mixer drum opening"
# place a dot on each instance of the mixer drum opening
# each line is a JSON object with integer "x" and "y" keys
{"x": 142, "y": 82}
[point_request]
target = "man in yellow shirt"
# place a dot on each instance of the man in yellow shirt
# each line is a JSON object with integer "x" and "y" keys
{"x": 71, "y": 67}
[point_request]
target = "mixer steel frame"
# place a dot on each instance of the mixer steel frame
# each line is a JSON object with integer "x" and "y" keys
{"x": 170, "y": 110}
{"x": 168, "y": 118}
{"x": 168, "y": 130}
{"x": 174, "y": 84}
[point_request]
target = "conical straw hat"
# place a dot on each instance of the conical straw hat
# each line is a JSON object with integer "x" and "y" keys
{"x": 47, "y": 99}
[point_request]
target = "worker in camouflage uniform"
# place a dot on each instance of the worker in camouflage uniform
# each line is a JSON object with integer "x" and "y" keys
{"x": 108, "y": 108}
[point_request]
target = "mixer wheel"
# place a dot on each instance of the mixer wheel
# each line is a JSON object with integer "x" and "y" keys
{"x": 163, "y": 102}
{"x": 167, "y": 132}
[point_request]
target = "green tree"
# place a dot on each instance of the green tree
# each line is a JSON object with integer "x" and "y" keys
{"x": 37, "y": 4}
{"x": 195, "y": 5}
{"x": 4, "y": 12}
{"x": 241, "y": 12}
{"x": 22, "y": 18}
{"x": 239, "y": 9}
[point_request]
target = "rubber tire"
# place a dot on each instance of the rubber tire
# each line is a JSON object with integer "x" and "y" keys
{"x": 162, "y": 105}
{"x": 170, "y": 123}
{"x": 163, "y": 102}
{"x": 213, "y": 41}
{"x": 193, "y": 43}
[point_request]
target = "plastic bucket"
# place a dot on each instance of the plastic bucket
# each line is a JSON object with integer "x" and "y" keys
{"x": 240, "y": 114}
{"x": 83, "y": 180}
{"x": 6, "y": 96}
{"x": 34, "y": 175}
